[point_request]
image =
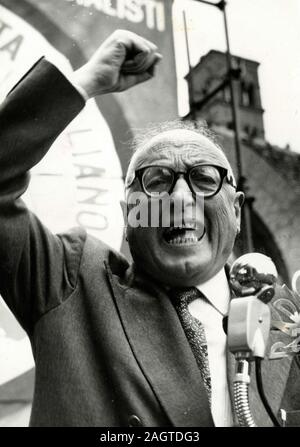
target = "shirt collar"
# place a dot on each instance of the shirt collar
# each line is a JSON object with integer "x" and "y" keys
{"x": 217, "y": 291}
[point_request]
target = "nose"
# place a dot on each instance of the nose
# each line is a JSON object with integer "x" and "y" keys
{"x": 182, "y": 190}
{"x": 184, "y": 205}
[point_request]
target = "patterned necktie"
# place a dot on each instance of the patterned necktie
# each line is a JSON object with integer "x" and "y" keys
{"x": 194, "y": 331}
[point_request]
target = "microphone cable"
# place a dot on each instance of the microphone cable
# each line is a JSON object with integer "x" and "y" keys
{"x": 261, "y": 392}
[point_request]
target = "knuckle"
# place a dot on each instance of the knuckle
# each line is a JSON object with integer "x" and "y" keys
{"x": 119, "y": 31}
{"x": 119, "y": 35}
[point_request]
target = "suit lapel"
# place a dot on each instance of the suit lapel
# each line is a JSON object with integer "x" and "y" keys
{"x": 162, "y": 351}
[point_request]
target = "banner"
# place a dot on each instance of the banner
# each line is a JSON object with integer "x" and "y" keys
{"x": 80, "y": 181}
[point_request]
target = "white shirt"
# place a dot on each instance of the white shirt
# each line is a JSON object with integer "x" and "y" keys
{"x": 217, "y": 292}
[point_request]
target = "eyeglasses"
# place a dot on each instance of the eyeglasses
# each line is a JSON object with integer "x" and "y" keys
{"x": 204, "y": 179}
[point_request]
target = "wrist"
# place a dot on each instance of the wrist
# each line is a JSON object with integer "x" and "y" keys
{"x": 83, "y": 82}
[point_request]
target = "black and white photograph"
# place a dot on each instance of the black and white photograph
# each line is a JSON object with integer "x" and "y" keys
{"x": 149, "y": 216}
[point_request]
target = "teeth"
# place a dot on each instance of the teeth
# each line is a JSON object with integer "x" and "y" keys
{"x": 180, "y": 240}
{"x": 176, "y": 236}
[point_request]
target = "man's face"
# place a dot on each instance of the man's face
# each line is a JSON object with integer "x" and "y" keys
{"x": 185, "y": 257}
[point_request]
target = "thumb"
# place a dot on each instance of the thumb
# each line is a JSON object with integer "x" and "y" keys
{"x": 131, "y": 80}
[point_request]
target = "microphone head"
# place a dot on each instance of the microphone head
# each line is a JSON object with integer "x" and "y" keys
{"x": 251, "y": 272}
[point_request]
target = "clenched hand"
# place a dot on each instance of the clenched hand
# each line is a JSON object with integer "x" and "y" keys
{"x": 122, "y": 61}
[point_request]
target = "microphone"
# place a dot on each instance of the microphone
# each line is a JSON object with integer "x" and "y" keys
{"x": 254, "y": 274}
{"x": 252, "y": 278}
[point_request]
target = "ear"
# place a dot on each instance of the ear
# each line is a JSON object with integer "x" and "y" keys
{"x": 238, "y": 203}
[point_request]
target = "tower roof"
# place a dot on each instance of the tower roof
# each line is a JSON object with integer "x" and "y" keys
{"x": 216, "y": 53}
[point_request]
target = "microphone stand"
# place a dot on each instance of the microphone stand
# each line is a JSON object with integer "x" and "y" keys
{"x": 252, "y": 278}
{"x": 249, "y": 323}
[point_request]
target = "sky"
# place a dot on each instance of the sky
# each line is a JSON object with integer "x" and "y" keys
{"x": 267, "y": 31}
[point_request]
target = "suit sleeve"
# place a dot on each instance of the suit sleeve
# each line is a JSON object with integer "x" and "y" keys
{"x": 37, "y": 268}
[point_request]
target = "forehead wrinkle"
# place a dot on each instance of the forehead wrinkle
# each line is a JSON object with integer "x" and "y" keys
{"x": 145, "y": 160}
{"x": 188, "y": 155}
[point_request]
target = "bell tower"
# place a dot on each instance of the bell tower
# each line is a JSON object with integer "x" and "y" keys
{"x": 208, "y": 74}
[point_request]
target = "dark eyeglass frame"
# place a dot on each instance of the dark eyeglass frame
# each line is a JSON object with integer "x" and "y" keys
{"x": 186, "y": 175}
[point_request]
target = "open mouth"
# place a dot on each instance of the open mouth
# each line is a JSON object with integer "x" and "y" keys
{"x": 187, "y": 235}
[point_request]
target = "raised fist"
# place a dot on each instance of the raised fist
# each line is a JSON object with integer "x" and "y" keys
{"x": 122, "y": 61}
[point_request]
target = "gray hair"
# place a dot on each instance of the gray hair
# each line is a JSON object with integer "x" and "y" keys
{"x": 142, "y": 136}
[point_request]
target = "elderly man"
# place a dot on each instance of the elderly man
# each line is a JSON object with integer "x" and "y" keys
{"x": 118, "y": 344}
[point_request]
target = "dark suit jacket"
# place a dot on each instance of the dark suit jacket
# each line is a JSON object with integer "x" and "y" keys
{"x": 108, "y": 345}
